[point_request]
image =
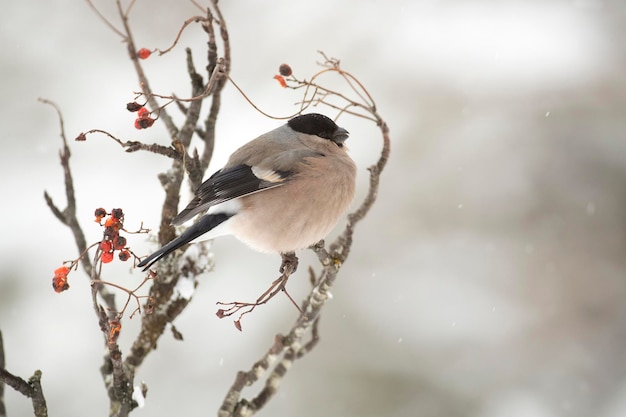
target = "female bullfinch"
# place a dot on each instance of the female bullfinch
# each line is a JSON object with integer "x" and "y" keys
{"x": 280, "y": 192}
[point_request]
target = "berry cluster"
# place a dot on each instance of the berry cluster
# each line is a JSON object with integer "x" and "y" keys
{"x": 143, "y": 120}
{"x": 112, "y": 240}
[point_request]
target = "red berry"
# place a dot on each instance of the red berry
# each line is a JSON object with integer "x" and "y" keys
{"x": 62, "y": 271}
{"x": 124, "y": 255}
{"x": 107, "y": 257}
{"x": 106, "y": 246}
{"x": 144, "y": 53}
{"x": 110, "y": 221}
{"x": 143, "y": 112}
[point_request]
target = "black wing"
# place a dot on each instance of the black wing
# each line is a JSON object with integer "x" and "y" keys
{"x": 229, "y": 183}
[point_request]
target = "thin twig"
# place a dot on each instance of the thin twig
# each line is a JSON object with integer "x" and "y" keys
{"x": 194, "y": 19}
{"x": 257, "y": 108}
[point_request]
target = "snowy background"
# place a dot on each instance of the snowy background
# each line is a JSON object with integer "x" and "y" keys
{"x": 488, "y": 281}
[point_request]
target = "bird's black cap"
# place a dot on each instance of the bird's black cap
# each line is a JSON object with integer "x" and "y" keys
{"x": 318, "y": 125}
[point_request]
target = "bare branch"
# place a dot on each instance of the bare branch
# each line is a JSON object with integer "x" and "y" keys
{"x": 219, "y": 70}
{"x": 67, "y": 216}
{"x": 31, "y": 388}
{"x": 55, "y": 210}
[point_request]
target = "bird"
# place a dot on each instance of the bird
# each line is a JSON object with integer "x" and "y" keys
{"x": 281, "y": 192}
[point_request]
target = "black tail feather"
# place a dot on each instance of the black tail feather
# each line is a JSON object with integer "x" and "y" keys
{"x": 205, "y": 224}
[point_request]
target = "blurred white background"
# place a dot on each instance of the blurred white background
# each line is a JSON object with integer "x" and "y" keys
{"x": 488, "y": 281}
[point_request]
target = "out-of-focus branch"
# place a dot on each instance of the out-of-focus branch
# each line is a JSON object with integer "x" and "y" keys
{"x": 31, "y": 388}
{"x": 3, "y": 409}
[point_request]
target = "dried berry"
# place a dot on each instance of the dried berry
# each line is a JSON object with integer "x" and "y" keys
{"x": 60, "y": 284}
{"x": 144, "y": 122}
{"x": 118, "y": 213}
{"x": 119, "y": 243}
{"x": 285, "y": 70}
{"x": 133, "y": 107}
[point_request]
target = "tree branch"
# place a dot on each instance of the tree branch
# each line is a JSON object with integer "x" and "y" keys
{"x": 68, "y": 216}
{"x": 31, "y": 388}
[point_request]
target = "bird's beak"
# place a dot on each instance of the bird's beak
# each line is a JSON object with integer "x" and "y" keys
{"x": 340, "y": 136}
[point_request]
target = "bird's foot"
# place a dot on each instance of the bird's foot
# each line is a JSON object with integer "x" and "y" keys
{"x": 289, "y": 264}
